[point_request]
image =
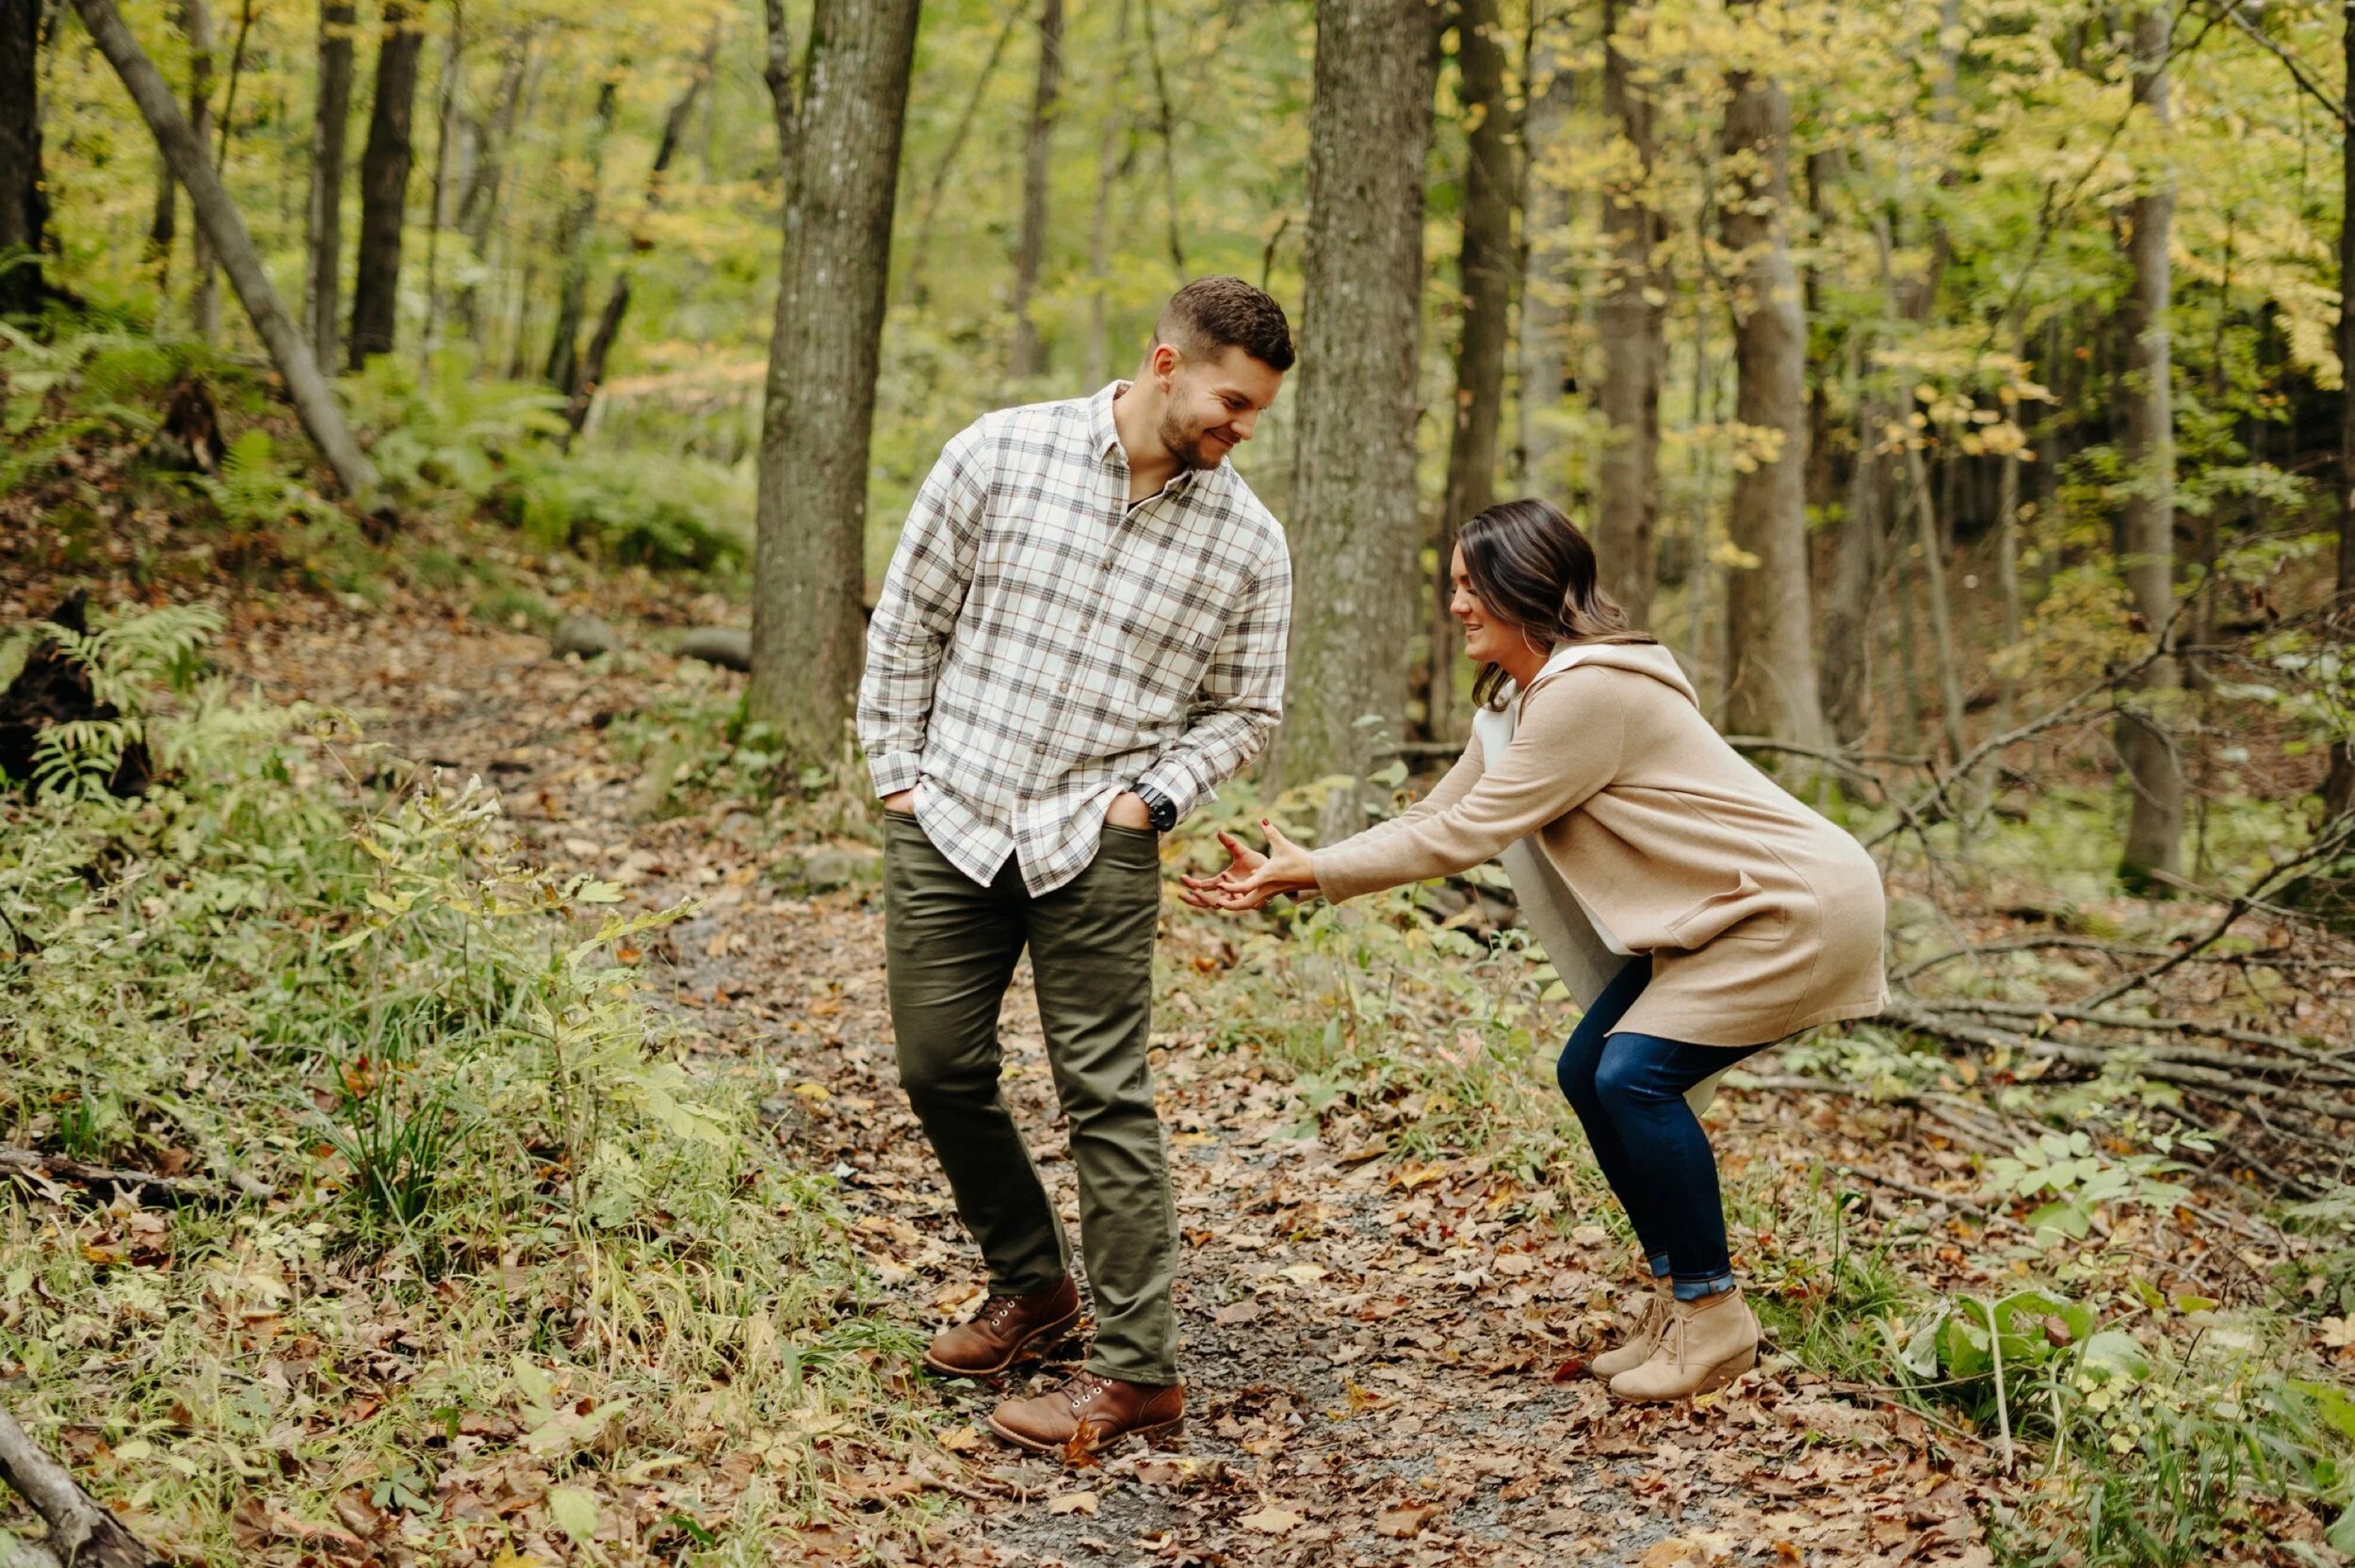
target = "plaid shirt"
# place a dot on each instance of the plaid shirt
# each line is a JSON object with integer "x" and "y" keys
{"x": 1042, "y": 644}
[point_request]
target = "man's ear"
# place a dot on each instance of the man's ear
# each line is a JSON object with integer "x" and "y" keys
{"x": 1165, "y": 359}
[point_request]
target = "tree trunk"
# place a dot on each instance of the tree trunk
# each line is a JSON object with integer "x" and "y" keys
{"x": 920, "y": 247}
{"x": 840, "y": 137}
{"x": 1355, "y": 518}
{"x": 24, "y": 210}
{"x": 1486, "y": 268}
{"x": 2338, "y": 790}
{"x": 1028, "y": 359}
{"x": 1855, "y": 582}
{"x": 2155, "y": 825}
{"x": 315, "y": 404}
{"x": 437, "y": 208}
{"x": 1632, "y": 322}
{"x": 1167, "y": 120}
{"x": 1545, "y": 316}
{"x": 562, "y": 371}
{"x": 1770, "y": 656}
{"x": 1932, "y": 542}
{"x": 1100, "y": 230}
{"x": 204, "y": 293}
{"x": 617, "y": 302}
{"x": 480, "y": 202}
{"x": 385, "y": 165}
{"x": 322, "y": 283}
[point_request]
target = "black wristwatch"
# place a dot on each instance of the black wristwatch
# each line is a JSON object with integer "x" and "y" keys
{"x": 1158, "y": 809}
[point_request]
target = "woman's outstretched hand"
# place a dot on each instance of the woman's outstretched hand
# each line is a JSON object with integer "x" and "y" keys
{"x": 1251, "y": 879}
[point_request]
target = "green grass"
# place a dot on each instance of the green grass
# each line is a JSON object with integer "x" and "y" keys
{"x": 508, "y": 1203}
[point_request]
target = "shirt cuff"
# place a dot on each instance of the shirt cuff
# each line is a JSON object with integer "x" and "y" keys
{"x": 894, "y": 771}
{"x": 1173, "y": 781}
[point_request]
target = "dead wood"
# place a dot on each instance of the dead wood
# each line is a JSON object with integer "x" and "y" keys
{"x": 80, "y": 1531}
{"x": 41, "y": 1172}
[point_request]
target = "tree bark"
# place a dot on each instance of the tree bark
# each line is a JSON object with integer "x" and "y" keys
{"x": 1100, "y": 231}
{"x": 322, "y": 305}
{"x": 617, "y": 302}
{"x": 384, "y": 166}
{"x": 2155, "y": 824}
{"x": 1485, "y": 266}
{"x": 1028, "y": 359}
{"x": 1770, "y": 656}
{"x": 24, "y": 210}
{"x": 1355, "y": 517}
{"x": 204, "y": 292}
{"x": 2338, "y": 790}
{"x": 841, "y": 136}
{"x": 314, "y": 403}
{"x": 1632, "y": 322}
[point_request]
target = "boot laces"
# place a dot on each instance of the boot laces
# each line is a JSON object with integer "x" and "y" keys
{"x": 1084, "y": 1387}
{"x": 998, "y": 1309}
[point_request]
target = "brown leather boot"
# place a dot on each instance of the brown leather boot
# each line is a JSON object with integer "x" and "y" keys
{"x": 1005, "y": 1328}
{"x": 1706, "y": 1345}
{"x": 1092, "y": 1410}
{"x": 1641, "y": 1340}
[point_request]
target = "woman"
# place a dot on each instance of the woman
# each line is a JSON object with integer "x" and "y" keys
{"x": 1697, "y": 912}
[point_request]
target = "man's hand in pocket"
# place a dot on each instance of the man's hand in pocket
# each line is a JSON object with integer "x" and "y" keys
{"x": 901, "y": 804}
{"x": 1127, "y": 810}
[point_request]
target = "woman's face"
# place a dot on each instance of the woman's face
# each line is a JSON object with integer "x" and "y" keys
{"x": 1486, "y": 638}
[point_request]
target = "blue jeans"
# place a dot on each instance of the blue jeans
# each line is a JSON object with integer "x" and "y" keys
{"x": 1628, "y": 1093}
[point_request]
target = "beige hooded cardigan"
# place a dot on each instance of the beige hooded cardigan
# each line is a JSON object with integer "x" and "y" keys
{"x": 1760, "y": 918}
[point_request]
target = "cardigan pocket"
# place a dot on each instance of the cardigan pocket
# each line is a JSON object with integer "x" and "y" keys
{"x": 1746, "y": 903}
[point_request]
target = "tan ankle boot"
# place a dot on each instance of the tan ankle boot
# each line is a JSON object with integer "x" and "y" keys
{"x": 1706, "y": 1345}
{"x": 1641, "y": 1341}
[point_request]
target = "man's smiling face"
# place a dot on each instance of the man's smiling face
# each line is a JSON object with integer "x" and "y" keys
{"x": 1214, "y": 402}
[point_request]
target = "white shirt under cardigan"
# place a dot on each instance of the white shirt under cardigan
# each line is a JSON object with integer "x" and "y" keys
{"x": 1581, "y": 948}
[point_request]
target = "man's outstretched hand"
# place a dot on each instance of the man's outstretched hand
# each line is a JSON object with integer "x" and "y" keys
{"x": 1251, "y": 879}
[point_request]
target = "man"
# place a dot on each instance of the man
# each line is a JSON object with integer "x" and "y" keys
{"x": 1082, "y": 633}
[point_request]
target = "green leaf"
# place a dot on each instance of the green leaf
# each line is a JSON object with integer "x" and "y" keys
{"x": 575, "y": 1511}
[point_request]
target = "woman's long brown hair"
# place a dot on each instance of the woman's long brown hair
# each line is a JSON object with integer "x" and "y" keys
{"x": 1532, "y": 569}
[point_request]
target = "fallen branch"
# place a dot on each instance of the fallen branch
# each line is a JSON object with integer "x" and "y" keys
{"x": 80, "y": 1531}
{"x": 2211, "y": 1080}
{"x": 39, "y": 1171}
{"x": 2336, "y": 1064}
{"x": 18, "y": 1553}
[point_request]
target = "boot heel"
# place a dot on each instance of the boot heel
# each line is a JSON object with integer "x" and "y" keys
{"x": 1725, "y": 1371}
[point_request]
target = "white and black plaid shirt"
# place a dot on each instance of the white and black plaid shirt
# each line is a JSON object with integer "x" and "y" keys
{"x": 1042, "y": 645}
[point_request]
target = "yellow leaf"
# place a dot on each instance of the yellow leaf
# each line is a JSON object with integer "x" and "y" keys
{"x": 1073, "y": 1502}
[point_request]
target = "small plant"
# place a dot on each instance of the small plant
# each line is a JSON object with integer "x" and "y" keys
{"x": 2076, "y": 1180}
{"x": 400, "y": 1138}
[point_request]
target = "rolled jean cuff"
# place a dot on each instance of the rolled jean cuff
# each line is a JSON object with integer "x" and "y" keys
{"x": 1658, "y": 1263}
{"x": 1703, "y": 1287}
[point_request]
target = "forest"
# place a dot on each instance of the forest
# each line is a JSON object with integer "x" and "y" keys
{"x": 452, "y": 449}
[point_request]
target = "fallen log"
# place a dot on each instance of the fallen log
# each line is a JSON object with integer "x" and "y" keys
{"x": 724, "y": 646}
{"x": 39, "y": 1171}
{"x": 80, "y": 1531}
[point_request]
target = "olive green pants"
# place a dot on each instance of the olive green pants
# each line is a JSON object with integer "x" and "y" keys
{"x": 952, "y": 945}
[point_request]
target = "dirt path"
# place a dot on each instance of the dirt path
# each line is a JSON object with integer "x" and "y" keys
{"x": 1373, "y": 1353}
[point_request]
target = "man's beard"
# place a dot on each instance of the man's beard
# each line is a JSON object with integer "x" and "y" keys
{"x": 1186, "y": 450}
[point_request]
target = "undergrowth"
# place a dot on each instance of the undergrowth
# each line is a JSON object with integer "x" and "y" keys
{"x": 2141, "y": 1420}
{"x": 485, "y": 1263}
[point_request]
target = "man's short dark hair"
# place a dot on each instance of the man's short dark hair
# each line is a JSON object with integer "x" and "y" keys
{"x": 1212, "y": 314}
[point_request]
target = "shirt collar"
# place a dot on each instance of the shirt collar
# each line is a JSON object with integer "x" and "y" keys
{"x": 1104, "y": 440}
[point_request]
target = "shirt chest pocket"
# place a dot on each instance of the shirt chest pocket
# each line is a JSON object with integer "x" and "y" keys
{"x": 1167, "y": 619}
